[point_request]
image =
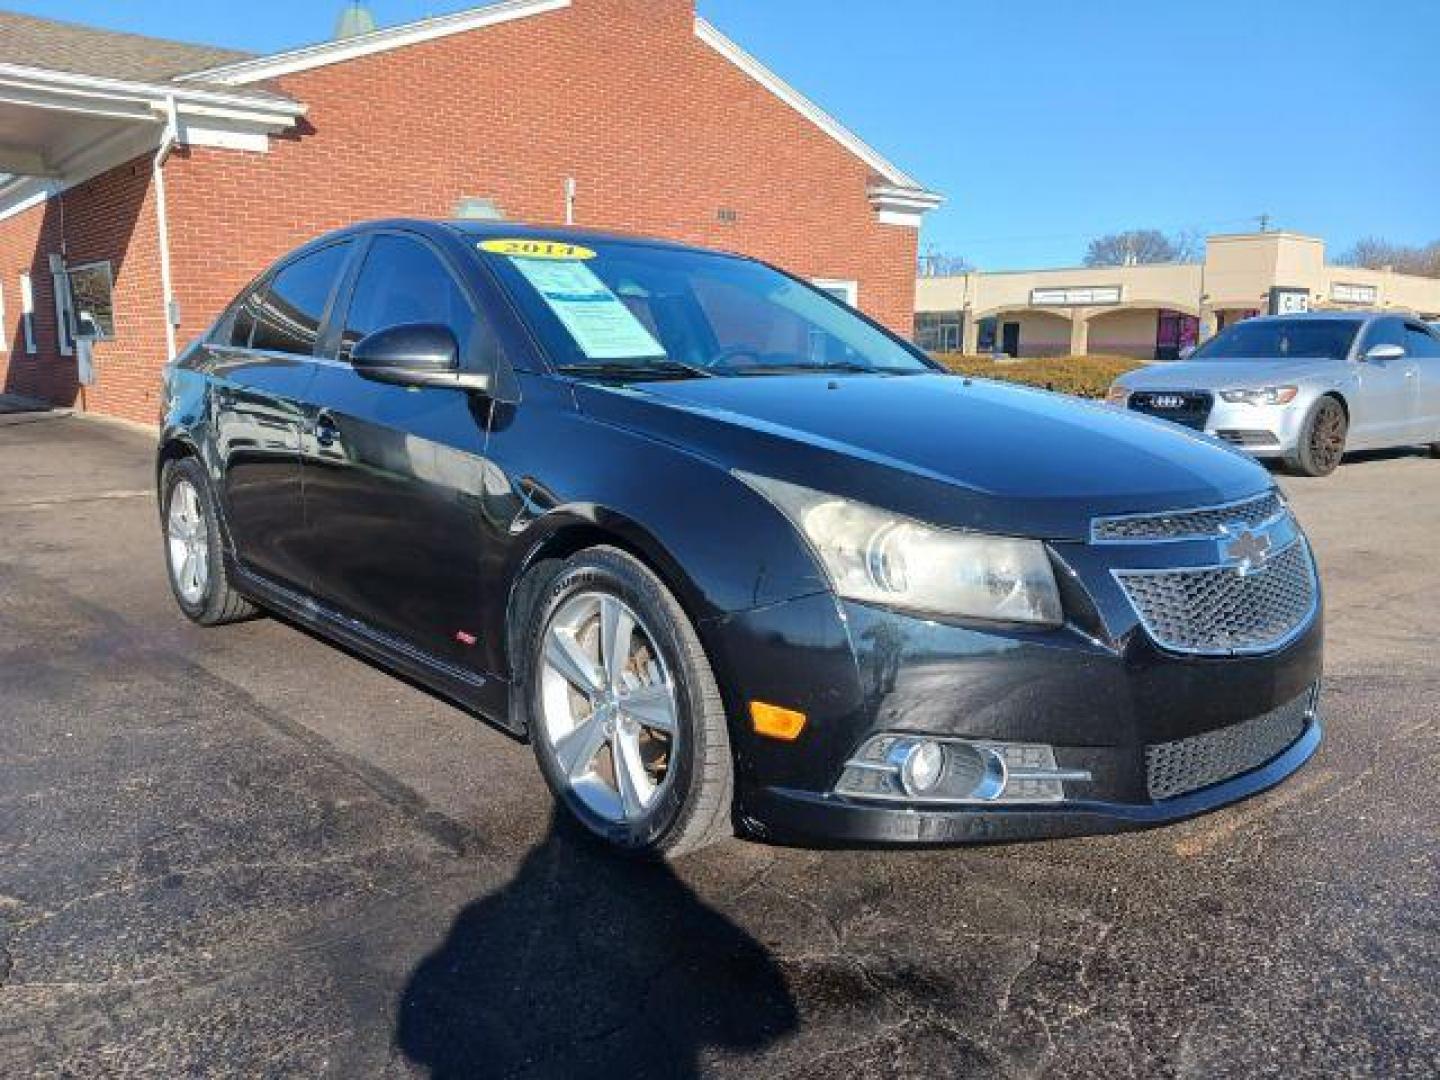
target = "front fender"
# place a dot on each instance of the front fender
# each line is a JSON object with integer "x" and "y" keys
{"x": 570, "y": 480}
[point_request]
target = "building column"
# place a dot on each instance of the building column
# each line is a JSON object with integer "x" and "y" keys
{"x": 1079, "y": 332}
{"x": 969, "y": 333}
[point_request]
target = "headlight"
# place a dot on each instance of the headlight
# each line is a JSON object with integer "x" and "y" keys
{"x": 1266, "y": 395}
{"x": 1117, "y": 395}
{"x": 878, "y": 557}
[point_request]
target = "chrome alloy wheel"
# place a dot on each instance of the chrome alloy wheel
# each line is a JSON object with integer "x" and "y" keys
{"x": 188, "y": 542}
{"x": 608, "y": 707}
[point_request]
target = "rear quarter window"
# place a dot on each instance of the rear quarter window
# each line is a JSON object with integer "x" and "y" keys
{"x": 289, "y": 316}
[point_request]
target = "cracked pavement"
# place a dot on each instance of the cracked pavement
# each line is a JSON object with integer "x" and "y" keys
{"x": 241, "y": 851}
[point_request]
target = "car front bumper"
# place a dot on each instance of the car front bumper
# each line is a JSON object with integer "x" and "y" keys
{"x": 1101, "y": 700}
{"x": 1263, "y": 431}
{"x": 787, "y": 815}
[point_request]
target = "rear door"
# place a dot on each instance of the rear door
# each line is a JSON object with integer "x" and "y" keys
{"x": 1383, "y": 412}
{"x": 262, "y": 377}
{"x": 1424, "y": 348}
{"x": 395, "y": 540}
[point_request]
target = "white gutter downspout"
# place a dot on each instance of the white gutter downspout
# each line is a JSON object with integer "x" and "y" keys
{"x": 168, "y": 138}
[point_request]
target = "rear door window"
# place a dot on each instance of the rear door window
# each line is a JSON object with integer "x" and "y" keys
{"x": 293, "y": 307}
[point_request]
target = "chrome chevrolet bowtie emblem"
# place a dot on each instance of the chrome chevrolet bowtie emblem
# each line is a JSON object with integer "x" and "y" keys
{"x": 1244, "y": 548}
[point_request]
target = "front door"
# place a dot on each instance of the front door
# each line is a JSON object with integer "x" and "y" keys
{"x": 1010, "y": 338}
{"x": 1174, "y": 333}
{"x": 1424, "y": 348}
{"x": 391, "y": 484}
{"x": 263, "y": 371}
{"x": 1384, "y": 410}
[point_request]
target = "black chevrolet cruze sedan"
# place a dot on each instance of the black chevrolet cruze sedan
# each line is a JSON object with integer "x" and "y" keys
{"x": 730, "y": 555}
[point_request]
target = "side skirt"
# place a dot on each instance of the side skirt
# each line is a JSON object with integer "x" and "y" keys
{"x": 485, "y": 696}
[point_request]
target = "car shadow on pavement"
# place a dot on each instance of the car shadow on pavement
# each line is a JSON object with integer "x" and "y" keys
{"x": 588, "y": 964}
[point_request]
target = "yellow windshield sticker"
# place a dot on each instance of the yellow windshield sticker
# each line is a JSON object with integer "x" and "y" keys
{"x": 536, "y": 249}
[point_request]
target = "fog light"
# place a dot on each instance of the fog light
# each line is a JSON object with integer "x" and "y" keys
{"x": 922, "y": 766}
{"x": 978, "y": 771}
{"x": 944, "y": 770}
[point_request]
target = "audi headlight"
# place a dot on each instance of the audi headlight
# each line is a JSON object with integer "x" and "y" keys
{"x": 1266, "y": 395}
{"x": 1118, "y": 395}
{"x": 878, "y": 557}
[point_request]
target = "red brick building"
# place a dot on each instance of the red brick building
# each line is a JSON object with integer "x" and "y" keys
{"x": 146, "y": 181}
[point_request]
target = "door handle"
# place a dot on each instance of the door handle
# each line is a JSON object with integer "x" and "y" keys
{"x": 326, "y": 432}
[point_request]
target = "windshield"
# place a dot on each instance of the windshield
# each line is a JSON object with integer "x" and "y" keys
{"x": 637, "y": 311}
{"x": 1282, "y": 339}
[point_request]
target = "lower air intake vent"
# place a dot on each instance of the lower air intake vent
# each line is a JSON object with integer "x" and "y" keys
{"x": 1185, "y": 765}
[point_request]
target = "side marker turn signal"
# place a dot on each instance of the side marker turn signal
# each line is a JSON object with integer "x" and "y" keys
{"x": 775, "y": 722}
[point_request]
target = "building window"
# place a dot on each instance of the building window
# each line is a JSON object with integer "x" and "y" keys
{"x": 848, "y": 291}
{"x": 27, "y": 312}
{"x": 92, "y": 300}
{"x": 939, "y": 331}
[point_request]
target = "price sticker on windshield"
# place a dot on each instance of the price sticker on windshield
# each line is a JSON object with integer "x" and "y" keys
{"x": 537, "y": 249}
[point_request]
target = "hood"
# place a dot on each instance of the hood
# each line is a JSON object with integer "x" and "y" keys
{"x": 1225, "y": 374}
{"x": 958, "y": 452}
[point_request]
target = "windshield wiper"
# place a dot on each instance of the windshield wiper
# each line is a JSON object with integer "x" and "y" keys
{"x": 817, "y": 369}
{"x": 639, "y": 369}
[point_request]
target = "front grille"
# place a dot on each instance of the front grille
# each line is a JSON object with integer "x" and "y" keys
{"x": 1188, "y": 407}
{"x": 1185, "y": 765}
{"x": 1223, "y": 610}
{"x": 1204, "y": 524}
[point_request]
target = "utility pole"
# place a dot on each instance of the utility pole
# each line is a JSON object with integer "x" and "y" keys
{"x": 1264, "y": 220}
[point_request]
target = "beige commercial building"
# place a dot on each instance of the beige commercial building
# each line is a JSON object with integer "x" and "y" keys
{"x": 1152, "y": 311}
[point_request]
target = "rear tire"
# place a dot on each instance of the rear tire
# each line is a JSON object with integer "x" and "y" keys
{"x": 1322, "y": 439}
{"x": 194, "y": 555}
{"x": 657, "y": 781}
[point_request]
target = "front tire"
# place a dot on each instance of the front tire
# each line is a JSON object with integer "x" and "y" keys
{"x": 1322, "y": 439}
{"x": 622, "y": 708}
{"x": 194, "y": 557}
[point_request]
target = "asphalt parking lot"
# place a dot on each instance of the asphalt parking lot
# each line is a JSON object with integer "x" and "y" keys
{"x": 240, "y": 851}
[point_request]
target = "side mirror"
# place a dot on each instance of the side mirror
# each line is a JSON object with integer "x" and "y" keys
{"x": 414, "y": 354}
{"x": 1187, "y": 352}
{"x": 1382, "y": 353}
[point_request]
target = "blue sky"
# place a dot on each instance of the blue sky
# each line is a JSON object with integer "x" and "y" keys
{"x": 1046, "y": 122}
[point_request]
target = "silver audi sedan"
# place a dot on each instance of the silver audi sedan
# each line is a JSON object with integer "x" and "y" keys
{"x": 1304, "y": 389}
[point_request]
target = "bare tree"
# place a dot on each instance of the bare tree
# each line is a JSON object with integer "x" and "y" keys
{"x": 940, "y": 264}
{"x": 1140, "y": 246}
{"x": 1377, "y": 254}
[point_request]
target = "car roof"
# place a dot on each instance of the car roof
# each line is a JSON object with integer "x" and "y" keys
{"x": 568, "y": 234}
{"x": 474, "y": 231}
{"x": 1338, "y": 316}
{"x": 1344, "y": 316}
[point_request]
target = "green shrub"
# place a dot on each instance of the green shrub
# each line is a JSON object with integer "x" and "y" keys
{"x": 1083, "y": 376}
